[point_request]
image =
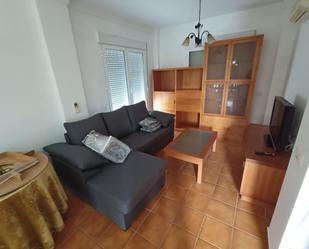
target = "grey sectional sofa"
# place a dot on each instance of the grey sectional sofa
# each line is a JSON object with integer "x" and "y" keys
{"x": 120, "y": 191}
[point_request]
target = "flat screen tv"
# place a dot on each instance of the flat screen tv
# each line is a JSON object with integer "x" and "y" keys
{"x": 280, "y": 126}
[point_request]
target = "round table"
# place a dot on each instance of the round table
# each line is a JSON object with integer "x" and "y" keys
{"x": 30, "y": 214}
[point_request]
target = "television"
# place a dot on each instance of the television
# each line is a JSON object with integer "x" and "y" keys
{"x": 280, "y": 125}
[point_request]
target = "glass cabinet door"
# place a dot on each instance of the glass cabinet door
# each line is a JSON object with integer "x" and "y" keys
{"x": 243, "y": 60}
{"x": 217, "y": 58}
{"x": 213, "y": 98}
{"x": 236, "y": 103}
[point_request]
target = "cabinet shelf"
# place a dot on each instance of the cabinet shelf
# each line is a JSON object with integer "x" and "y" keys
{"x": 189, "y": 91}
{"x": 164, "y": 80}
{"x": 164, "y": 91}
{"x": 189, "y": 79}
{"x": 187, "y": 120}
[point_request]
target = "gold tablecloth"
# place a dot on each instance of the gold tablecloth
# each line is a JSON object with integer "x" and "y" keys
{"x": 29, "y": 215}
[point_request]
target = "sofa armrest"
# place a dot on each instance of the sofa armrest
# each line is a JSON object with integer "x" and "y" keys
{"x": 164, "y": 118}
{"x": 78, "y": 156}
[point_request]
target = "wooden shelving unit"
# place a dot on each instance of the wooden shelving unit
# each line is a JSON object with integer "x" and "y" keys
{"x": 217, "y": 96}
{"x": 179, "y": 91}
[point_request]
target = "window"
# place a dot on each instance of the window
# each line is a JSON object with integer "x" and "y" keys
{"x": 196, "y": 58}
{"x": 125, "y": 73}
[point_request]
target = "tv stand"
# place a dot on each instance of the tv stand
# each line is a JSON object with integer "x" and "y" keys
{"x": 263, "y": 175}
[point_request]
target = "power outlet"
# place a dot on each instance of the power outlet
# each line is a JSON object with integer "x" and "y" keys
{"x": 76, "y": 107}
{"x": 299, "y": 156}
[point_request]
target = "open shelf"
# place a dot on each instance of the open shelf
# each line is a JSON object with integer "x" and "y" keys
{"x": 189, "y": 79}
{"x": 164, "y": 80}
{"x": 187, "y": 120}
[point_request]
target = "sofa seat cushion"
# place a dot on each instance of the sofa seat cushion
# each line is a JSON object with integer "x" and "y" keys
{"x": 118, "y": 122}
{"x": 146, "y": 141}
{"x": 137, "y": 113}
{"x": 77, "y": 131}
{"x": 123, "y": 186}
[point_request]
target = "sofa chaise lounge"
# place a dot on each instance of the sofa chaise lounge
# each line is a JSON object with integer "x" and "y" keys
{"x": 120, "y": 191}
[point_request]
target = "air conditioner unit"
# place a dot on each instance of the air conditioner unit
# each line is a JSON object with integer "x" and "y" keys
{"x": 301, "y": 11}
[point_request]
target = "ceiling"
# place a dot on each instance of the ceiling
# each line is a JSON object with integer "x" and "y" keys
{"x": 160, "y": 13}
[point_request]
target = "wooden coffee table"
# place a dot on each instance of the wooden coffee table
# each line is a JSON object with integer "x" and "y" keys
{"x": 193, "y": 146}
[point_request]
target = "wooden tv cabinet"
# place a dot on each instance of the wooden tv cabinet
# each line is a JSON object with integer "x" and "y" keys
{"x": 263, "y": 175}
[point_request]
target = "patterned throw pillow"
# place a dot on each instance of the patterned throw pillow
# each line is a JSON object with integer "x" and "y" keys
{"x": 107, "y": 146}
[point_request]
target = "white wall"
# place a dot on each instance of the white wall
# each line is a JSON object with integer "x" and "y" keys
{"x": 30, "y": 107}
{"x": 297, "y": 90}
{"x": 298, "y": 81}
{"x": 283, "y": 60}
{"x": 292, "y": 203}
{"x": 267, "y": 20}
{"x": 85, "y": 27}
{"x": 56, "y": 26}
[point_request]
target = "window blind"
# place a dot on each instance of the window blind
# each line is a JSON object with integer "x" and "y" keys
{"x": 116, "y": 76}
{"x": 125, "y": 73}
{"x": 136, "y": 75}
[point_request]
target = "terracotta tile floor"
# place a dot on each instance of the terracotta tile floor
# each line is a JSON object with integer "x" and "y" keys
{"x": 183, "y": 215}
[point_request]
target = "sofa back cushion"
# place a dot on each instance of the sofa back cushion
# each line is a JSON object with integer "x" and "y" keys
{"x": 78, "y": 156}
{"x": 77, "y": 131}
{"x": 118, "y": 122}
{"x": 137, "y": 113}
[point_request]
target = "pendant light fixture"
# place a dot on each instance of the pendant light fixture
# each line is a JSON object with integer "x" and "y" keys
{"x": 199, "y": 37}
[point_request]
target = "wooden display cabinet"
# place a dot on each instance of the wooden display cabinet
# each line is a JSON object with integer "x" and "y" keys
{"x": 231, "y": 68}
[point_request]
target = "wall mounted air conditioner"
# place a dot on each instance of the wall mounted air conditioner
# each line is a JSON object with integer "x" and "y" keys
{"x": 301, "y": 11}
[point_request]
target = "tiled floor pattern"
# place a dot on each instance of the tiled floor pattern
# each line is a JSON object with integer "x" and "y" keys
{"x": 183, "y": 215}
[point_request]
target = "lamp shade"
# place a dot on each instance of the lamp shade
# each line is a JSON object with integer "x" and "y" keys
{"x": 210, "y": 39}
{"x": 186, "y": 42}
